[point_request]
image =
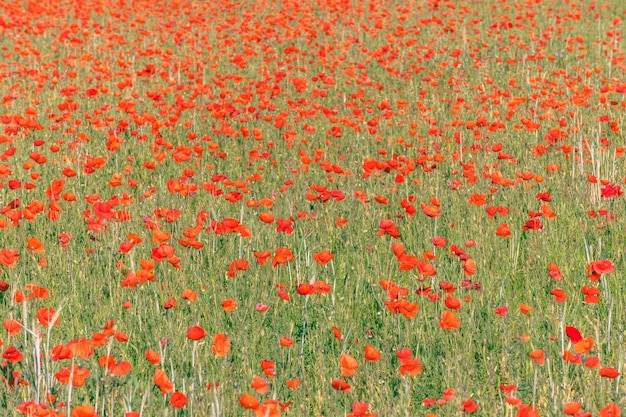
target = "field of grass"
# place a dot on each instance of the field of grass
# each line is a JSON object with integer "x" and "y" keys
{"x": 312, "y": 208}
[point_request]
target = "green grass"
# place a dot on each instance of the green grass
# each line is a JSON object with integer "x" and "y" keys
{"x": 428, "y": 90}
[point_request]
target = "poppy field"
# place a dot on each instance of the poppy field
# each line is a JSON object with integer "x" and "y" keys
{"x": 312, "y": 208}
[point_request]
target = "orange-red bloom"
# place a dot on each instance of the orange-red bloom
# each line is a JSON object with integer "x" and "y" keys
{"x": 470, "y": 406}
{"x": 249, "y": 402}
{"x": 195, "y": 333}
{"x": 260, "y": 385}
{"x": 583, "y": 346}
{"x": 449, "y": 321}
{"x": 323, "y": 257}
{"x": 527, "y": 411}
{"x": 266, "y": 217}
{"x": 34, "y": 245}
{"x": 371, "y": 353}
{"x": 162, "y": 381}
{"x": 503, "y": 230}
{"x": 359, "y": 409}
{"x": 598, "y": 268}
{"x": 9, "y": 257}
{"x": 74, "y": 374}
{"x": 13, "y": 327}
{"x": 153, "y": 357}
{"x": 178, "y": 400}
{"x": 12, "y": 354}
{"x": 348, "y": 365}
{"x": 221, "y": 345}
{"x": 571, "y": 408}
{"x": 430, "y": 211}
{"x": 611, "y": 410}
{"x": 286, "y": 341}
{"x": 293, "y": 383}
{"x": 340, "y": 385}
{"x": 538, "y": 356}
{"x": 47, "y": 317}
{"x": 229, "y": 305}
{"x": 608, "y": 372}
{"x": 452, "y": 303}
{"x": 408, "y": 364}
{"x": 84, "y": 411}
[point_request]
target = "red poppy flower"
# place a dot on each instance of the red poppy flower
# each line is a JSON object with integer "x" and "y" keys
{"x": 286, "y": 341}
{"x": 221, "y": 345}
{"x": 261, "y": 257}
{"x": 439, "y": 241}
{"x": 178, "y": 400}
{"x": 195, "y": 333}
{"x": 153, "y": 357}
{"x": 501, "y": 311}
{"x": 469, "y": 267}
{"x": 611, "y": 410}
{"x": 559, "y": 295}
{"x": 121, "y": 369}
{"x": 47, "y": 317}
{"x": 34, "y": 245}
{"x": 13, "y": 327}
{"x": 583, "y": 346}
{"x": 337, "y": 333}
{"x": 449, "y": 321}
{"x": 609, "y": 372}
{"x": 260, "y": 385}
{"x": 340, "y": 385}
{"x": 84, "y": 411}
{"x": 162, "y": 381}
{"x": 452, "y": 303}
{"x": 592, "y": 362}
{"x": 371, "y": 353}
{"x": 430, "y": 211}
{"x": 74, "y": 374}
{"x": 348, "y": 365}
{"x": 525, "y": 309}
{"x": 591, "y": 294}
{"x": 266, "y": 217}
{"x": 538, "y": 356}
{"x": 268, "y": 368}
{"x": 503, "y": 230}
{"x": 469, "y": 406}
{"x": 533, "y": 224}
{"x": 8, "y": 257}
{"x": 598, "y": 268}
{"x": 555, "y": 272}
{"x": 525, "y": 410}
{"x": 478, "y": 199}
{"x": 571, "y": 408}
{"x": 359, "y": 409}
{"x": 189, "y": 295}
{"x": 323, "y": 257}
{"x": 408, "y": 364}
{"x": 249, "y": 402}
{"x": 229, "y": 305}
{"x": 305, "y": 289}
{"x": 12, "y": 354}
{"x": 106, "y": 361}
{"x": 293, "y": 383}
{"x": 575, "y": 359}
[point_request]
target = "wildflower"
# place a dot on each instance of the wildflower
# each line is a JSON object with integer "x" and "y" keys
{"x": 221, "y": 345}
{"x": 371, "y": 353}
{"x": 449, "y": 321}
{"x": 348, "y": 365}
{"x": 195, "y": 333}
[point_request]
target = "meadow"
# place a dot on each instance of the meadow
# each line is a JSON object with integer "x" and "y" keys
{"x": 312, "y": 208}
